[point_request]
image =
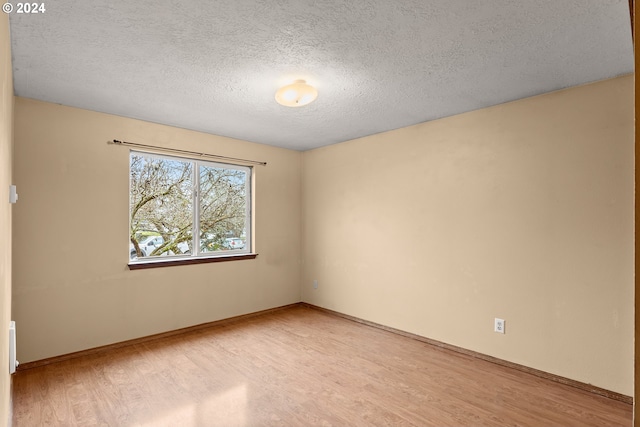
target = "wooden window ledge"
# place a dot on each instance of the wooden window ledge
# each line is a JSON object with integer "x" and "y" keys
{"x": 157, "y": 263}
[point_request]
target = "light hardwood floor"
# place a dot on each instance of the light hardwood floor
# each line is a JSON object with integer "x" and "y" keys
{"x": 297, "y": 367}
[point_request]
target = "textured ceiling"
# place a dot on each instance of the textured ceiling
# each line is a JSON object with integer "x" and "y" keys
{"x": 214, "y": 66}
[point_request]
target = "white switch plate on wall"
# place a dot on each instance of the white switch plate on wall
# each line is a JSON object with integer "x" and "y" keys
{"x": 13, "y": 194}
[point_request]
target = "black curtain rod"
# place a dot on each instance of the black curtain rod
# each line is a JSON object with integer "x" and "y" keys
{"x": 191, "y": 153}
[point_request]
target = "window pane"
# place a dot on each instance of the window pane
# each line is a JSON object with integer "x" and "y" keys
{"x": 161, "y": 204}
{"x": 223, "y": 209}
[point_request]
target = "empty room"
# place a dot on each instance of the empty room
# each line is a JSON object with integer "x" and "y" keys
{"x": 296, "y": 213}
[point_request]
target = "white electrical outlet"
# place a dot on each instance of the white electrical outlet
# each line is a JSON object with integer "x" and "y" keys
{"x": 498, "y": 325}
{"x": 315, "y": 284}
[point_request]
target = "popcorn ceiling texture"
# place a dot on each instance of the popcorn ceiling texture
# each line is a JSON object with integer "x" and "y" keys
{"x": 214, "y": 66}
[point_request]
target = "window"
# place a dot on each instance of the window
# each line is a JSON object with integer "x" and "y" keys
{"x": 182, "y": 209}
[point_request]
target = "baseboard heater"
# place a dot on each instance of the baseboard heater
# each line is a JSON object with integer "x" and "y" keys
{"x": 13, "y": 363}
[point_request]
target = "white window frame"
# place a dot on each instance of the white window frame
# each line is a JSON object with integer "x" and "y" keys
{"x": 196, "y": 254}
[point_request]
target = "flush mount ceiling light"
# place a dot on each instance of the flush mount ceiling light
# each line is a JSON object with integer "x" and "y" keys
{"x": 296, "y": 94}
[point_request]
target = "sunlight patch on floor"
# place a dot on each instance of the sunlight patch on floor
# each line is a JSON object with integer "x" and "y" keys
{"x": 224, "y": 409}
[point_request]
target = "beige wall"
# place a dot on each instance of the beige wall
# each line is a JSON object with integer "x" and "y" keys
{"x": 6, "y": 143}
{"x": 522, "y": 211}
{"x": 72, "y": 288}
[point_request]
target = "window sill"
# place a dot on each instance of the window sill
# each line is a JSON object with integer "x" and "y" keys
{"x": 156, "y": 263}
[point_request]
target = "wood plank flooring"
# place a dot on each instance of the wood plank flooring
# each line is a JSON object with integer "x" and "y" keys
{"x": 297, "y": 367}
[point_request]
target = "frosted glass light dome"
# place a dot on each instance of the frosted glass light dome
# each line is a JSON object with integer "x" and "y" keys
{"x": 296, "y": 94}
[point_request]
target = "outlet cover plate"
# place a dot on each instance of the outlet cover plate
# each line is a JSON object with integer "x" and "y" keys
{"x": 498, "y": 325}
